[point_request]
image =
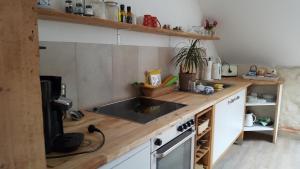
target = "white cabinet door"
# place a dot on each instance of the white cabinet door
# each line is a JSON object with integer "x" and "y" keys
{"x": 229, "y": 116}
{"x": 139, "y": 158}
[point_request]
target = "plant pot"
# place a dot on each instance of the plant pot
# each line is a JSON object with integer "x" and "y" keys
{"x": 184, "y": 79}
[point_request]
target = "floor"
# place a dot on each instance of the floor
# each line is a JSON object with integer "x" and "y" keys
{"x": 257, "y": 152}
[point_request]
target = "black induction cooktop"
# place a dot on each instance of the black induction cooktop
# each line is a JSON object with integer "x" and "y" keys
{"x": 141, "y": 110}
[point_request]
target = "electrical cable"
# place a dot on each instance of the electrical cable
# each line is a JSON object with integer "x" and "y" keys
{"x": 91, "y": 129}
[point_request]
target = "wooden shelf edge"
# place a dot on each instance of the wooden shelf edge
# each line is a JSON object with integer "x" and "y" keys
{"x": 198, "y": 136}
{"x": 259, "y": 128}
{"x": 50, "y": 14}
{"x": 201, "y": 155}
{"x": 261, "y": 104}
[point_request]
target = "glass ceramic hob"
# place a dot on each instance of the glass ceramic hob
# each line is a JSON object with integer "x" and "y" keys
{"x": 141, "y": 110}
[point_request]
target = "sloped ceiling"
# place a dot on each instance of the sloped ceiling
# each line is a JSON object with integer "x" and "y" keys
{"x": 265, "y": 32}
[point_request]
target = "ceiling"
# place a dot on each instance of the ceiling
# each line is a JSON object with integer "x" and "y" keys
{"x": 258, "y": 31}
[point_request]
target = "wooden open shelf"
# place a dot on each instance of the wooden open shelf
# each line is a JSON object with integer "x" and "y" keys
{"x": 203, "y": 150}
{"x": 50, "y": 14}
{"x": 199, "y": 136}
{"x": 200, "y": 153}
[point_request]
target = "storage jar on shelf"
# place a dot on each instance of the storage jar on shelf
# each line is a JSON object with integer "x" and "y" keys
{"x": 112, "y": 10}
{"x": 99, "y": 8}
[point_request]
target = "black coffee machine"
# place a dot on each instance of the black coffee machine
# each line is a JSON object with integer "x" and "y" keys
{"x": 54, "y": 107}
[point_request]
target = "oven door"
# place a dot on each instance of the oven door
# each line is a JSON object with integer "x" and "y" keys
{"x": 177, "y": 154}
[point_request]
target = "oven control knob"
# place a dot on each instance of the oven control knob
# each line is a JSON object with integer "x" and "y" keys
{"x": 180, "y": 128}
{"x": 184, "y": 126}
{"x": 188, "y": 124}
{"x": 192, "y": 122}
{"x": 158, "y": 142}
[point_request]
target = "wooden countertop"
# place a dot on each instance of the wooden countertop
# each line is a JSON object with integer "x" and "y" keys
{"x": 123, "y": 136}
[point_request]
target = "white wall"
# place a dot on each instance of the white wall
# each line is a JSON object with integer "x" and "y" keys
{"x": 185, "y": 13}
{"x": 265, "y": 32}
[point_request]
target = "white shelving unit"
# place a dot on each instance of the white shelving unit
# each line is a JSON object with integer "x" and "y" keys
{"x": 257, "y": 127}
{"x": 269, "y": 109}
{"x": 261, "y": 104}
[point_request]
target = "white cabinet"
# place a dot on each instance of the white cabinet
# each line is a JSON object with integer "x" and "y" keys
{"x": 228, "y": 125}
{"x": 139, "y": 158}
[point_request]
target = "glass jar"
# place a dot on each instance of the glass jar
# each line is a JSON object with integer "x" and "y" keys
{"x": 99, "y": 8}
{"x": 68, "y": 6}
{"x": 89, "y": 10}
{"x": 112, "y": 10}
{"x": 43, "y": 3}
{"x": 79, "y": 8}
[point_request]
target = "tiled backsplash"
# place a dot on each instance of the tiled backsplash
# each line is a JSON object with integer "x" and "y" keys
{"x": 99, "y": 73}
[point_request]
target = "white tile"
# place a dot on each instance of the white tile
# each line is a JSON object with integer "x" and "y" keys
{"x": 94, "y": 64}
{"x": 59, "y": 60}
{"x": 125, "y": 71}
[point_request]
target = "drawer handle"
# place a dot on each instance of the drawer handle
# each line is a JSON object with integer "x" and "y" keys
{"x": 233, "y": 100}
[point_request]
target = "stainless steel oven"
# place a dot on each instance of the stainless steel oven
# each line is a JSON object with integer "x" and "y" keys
{"x": 174, "y": 148}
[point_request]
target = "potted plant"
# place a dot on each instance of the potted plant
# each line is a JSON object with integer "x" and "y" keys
{"x": 189, "y": 59}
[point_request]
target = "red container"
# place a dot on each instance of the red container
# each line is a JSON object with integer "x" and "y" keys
{"x": 154, "y": 21}
{"x": 151, "y": 21}
{"x": 147, "y": 20}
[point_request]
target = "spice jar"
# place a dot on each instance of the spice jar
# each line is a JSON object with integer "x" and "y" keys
{"x": 68, "y": 6}
{"x": 89, "y": 10}
{"x": 79, "y": 8}
{"x": 99, "y": 8}
{"x": 112, "y": 10}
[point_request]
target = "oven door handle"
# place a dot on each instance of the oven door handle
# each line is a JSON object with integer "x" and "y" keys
{"x": 165, "y": 153}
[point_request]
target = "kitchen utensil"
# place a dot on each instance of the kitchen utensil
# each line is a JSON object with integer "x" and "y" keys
{"x": 250, "y": 119}
{"x": 229, "y": 70}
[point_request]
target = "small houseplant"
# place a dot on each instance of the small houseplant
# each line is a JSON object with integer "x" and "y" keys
{"x": 189, "y": 59}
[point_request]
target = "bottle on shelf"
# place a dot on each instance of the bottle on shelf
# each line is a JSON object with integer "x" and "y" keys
{"x": 122, "y": 13}
{"x": 129, "y": 15}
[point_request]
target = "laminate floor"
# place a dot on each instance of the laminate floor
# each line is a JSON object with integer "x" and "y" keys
{"x": 258, "y": 152}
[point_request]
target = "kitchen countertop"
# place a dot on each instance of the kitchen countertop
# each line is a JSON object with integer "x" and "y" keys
{"x": 123, "y": 135}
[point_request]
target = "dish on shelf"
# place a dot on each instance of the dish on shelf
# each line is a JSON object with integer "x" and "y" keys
{"x": 269, "y": 97}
